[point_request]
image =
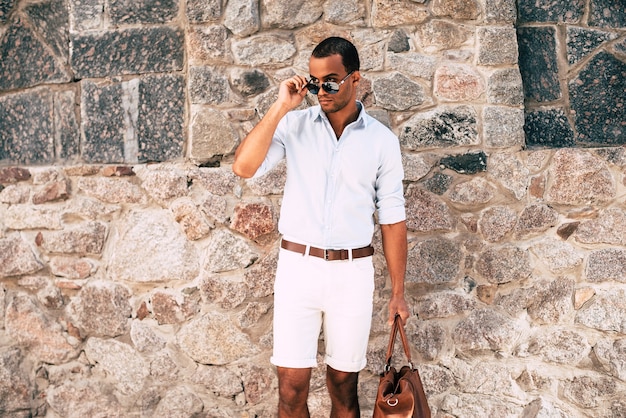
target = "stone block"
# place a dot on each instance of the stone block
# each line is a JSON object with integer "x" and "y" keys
{"x": 398, "y": 92}
{"x": 554, "y": 11}
{"x": 242, "y": 17}
{"x": 103, "y": 122}
{"x": 51, "y": 21}
{"x": 598, "y": 101}
{"x": 398, "y": 41}
{"x": 16, "y": 387}
{"x": 27, "y": 128}
{"x": 155, "y": 237}
{"x": 212, "y": 134}
{"x": 446, "y": 126}
{"x": 456, "y": 9}
{"x": 497, "y": 46}
{"x": 209, "y": 85}
{"x": 27, "y": 61}
{"x": 209, "y": 43}
{"x": 503, "y": 127}
{"x": 504, "y": 86}
{"x": 470, "y": 163}
{"x": 607, "y": 13}
{"x": 387, "y": 14}
{"x": 265, "y": 49}
{"x": 500, "y": 11}
{"x": 547, "y": 127}
{"x": 434, "y": 261}
{"x": 426, "y": 212}
{"x": 86, "y": 15}
{"x": 578, "y": 177}
{"x": 160, "y": 110}
{"x": 137, "y": 120}
{"x": 287, "y": 14}
{"x": 127, "y": 51}
{"x": 538, "y": 63}
{"x": 582, "y": 42}
{"x": 142, "y": 11}
{"x": 201, "y": 11}
{"x": 456, "y": 82}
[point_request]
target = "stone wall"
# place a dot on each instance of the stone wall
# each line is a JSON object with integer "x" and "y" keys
{"x": 136, "y": 270}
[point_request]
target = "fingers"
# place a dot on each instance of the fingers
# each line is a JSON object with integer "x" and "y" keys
{"x": 296, "y": 83}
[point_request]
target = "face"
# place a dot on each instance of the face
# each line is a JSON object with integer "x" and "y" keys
{"x": 331, "y": 69}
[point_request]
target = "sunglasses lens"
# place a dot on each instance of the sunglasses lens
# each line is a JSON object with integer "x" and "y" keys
{"x": 330, "y": 87}
{"x": 313, "y": 88}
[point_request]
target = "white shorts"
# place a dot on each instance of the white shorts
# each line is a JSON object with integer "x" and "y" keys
{"x": 309, "y": 293}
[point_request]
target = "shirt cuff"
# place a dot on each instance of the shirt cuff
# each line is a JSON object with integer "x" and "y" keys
{"x": 391, "y": 215}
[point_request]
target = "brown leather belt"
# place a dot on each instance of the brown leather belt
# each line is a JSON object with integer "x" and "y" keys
{"x": 328, "y": 255}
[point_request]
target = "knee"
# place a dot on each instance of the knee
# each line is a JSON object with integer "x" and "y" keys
{"x": 342, "y": 385}
{"x": 293, "y": 388}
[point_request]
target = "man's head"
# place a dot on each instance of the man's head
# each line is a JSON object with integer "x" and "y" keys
{"x": 334, "y": 69}
{"x": 340, "y": 46}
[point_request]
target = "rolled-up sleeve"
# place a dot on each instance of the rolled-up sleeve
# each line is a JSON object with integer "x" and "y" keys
{"x": 390, "y": 203}
{"x": 276, "y": 151}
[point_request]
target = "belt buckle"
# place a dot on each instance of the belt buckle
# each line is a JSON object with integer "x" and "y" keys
{"x": 326, "y": 254}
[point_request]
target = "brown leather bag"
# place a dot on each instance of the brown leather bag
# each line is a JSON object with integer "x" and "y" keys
{"x": 400, "y": 394}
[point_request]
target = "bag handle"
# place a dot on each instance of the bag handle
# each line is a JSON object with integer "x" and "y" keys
{"x": 396, "y": 328}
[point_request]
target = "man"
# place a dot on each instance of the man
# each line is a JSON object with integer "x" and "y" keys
{"x": 342, "y": 167}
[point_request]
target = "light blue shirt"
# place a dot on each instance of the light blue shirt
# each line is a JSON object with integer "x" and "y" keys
{"x": 334, "y": 187}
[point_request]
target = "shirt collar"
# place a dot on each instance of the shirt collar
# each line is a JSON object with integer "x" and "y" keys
{"x": 318, "y": 114}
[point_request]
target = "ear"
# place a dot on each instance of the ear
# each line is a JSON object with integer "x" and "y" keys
{"x": 356, "y": 78}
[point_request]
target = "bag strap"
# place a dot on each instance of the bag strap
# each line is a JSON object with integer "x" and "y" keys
{"x": 396, "y": 328}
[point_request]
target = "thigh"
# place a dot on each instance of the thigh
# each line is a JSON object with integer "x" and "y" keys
{"x": 297, "y": 312}
{"x": 348, "y": 315}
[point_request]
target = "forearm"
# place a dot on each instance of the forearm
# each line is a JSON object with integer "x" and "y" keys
{"x": 395, "y": 250}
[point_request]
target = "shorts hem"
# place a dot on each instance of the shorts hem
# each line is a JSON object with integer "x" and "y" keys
{"x": 348, "y": 367}
{"x": 293, "y": 363}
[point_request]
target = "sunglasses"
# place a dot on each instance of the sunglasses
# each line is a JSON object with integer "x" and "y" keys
{"x": 329, "y": 87}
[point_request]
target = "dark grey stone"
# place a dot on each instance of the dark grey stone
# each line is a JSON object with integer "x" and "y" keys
{"x": 538, "y": 63}
{"x": 607, "y": 13}
{"x": 102, "y": 123}
{"x": 582, "y": 42}
{"x": 160, "y": 120}
{"x": 142, "y": 11}
{"x": 399, "y": 41}
{"x": 130, "y": 51}
{"x": 26, "y": 62}
{"x": 470, "y": 163}
{"x": 548, "y": 128}
{"x": 598, "y": 101}
{"x": 5, "y": 9}
{"x": 567, "y": 11}
{"x": 208, "y": 86}
{"x": 251, "y": 83}
{"x": 438, "y": 184}
{"x": 444, "y": 127}
{"x": 500, "y": 11}
{"x": 51, "y": 20}
{"x": 26, "y": 131}
{"x": 199, "y": 11}
{"x": 140, "y": 120}
{"x": 66, "y": 128}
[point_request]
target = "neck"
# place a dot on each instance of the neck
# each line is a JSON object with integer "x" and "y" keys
{"x": 339, "y": 120}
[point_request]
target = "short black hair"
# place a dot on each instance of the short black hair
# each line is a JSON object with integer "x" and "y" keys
{"x": 336, "y": 45}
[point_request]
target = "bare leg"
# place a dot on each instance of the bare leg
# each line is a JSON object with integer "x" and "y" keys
{"x": 293, "y": 392}
{"x": 342, "y": 387}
